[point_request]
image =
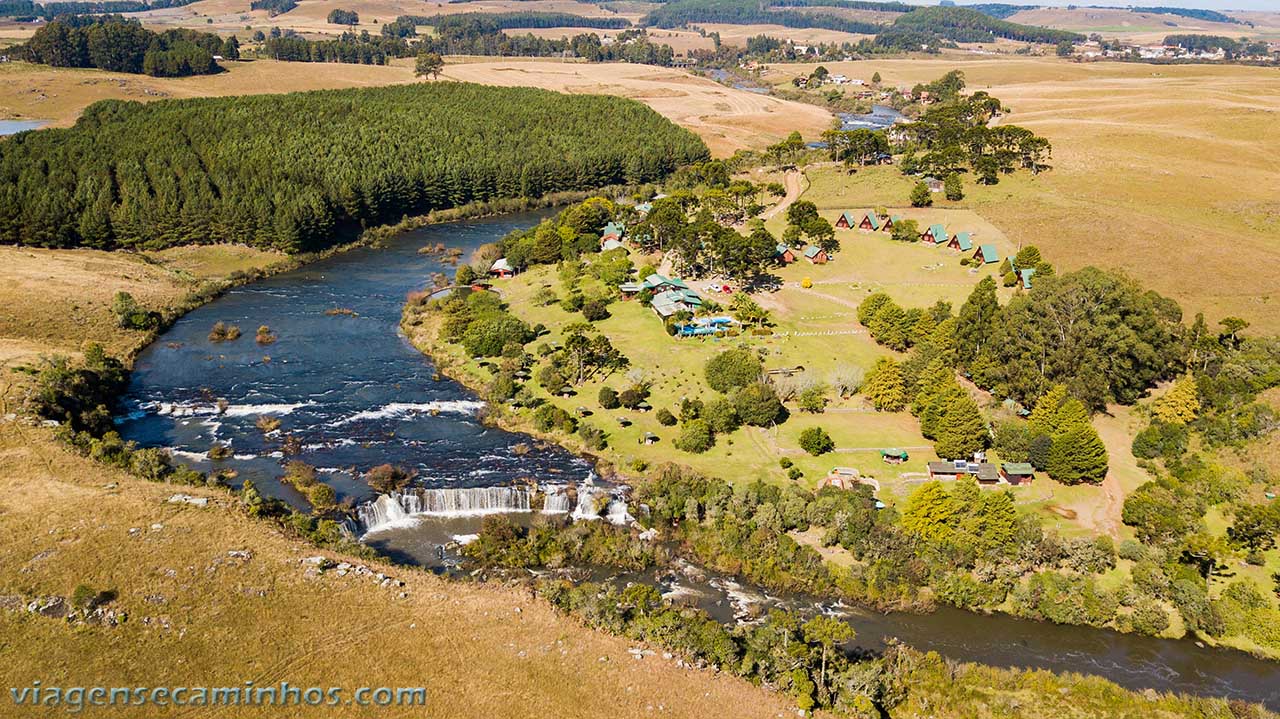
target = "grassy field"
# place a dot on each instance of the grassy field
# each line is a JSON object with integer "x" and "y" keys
{"x": 1163, "y": 172}
{"x": 56, "y": 300}
{"x": 726, "y": 119}
{"x": 1144, "y": 27}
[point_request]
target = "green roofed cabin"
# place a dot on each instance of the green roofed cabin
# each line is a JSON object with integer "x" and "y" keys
{"x": 961, "y": 241}
{"x": 816, "y": 255}
{"x": 889, "y": 222}
{"x": 845, "y": 221}
{"x": 611, "y": 230}
{"x": 987, "y": 254}
{"x": 1017, "y": 472}
{"x": 1025, "y": 276}
{"x": 935, "y": 235}
{"x": 894, "y": 456}
{"x": 870, "y": 221}
{"x": 785, "y": 254}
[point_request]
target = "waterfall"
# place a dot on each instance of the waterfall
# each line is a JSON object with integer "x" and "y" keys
{"x": 399, "y": 508}
{"x": 587, "y": 497}
{"x": 556, "y": 501}
{"x": 385, "y": 511}
{"x": 617, "y": 513}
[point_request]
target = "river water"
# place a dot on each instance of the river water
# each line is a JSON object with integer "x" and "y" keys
{"x": 355, "y": 394}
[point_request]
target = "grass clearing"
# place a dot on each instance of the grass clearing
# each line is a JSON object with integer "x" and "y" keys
{"x": 1164, "y": 172}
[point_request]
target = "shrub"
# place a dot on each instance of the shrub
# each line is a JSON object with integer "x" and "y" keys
{"x": 299, "y": 474}
{"x": 816, "y": 441}
{"x": 813, "y": 399}
{"x": 267, "y": 424}
{"x": 632, "y": 397}
{"x": 758, "y": 405}
{"x": 722, "y": 415}
{"x": 593, "y": 437}
{"x": 920, "y": 195}
{"x": 595, "y": 310}
{"x": 695, "y": 437}
{"x": 549, "y": 417}
{"x": 387, "y": 478}
{"x": 794, "y": 473}
{"x": 785, "y": 463}
{"x": 321, "y": 496}
{"x": 1161, "y": 439}
{"x": 264, "y": 335}
{"x": 223, "y": 332}
{"x": 665, "y": 418}
{"x": 608, "y": 398}
{"x": 573, "y": 303}
{"x": 732, "y": 369}
{"x": 130, "y": 315}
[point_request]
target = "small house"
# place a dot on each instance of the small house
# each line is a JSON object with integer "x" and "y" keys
{"x": 935, "y": 235}
{"x": 1017, "y": 472}
{"x": 630, "y": 289}
{"x": 845, "y": 221}
{"x": 987, "y": 254}
{"x": 1025, "y": 276}
{"x": 987, "y": 473}
{"x": 644, "y": 208}
{"x": 816, "y": 255}
{"x": 785, "y": 254}
{"x": 870, "y": 221}
{"x": 889, "y": 222}
{"x": 501, "y": 268}
{"x": 894, "y": 456}
{"x": 669, "y": 302}
{"x": 946, "y": 471}
{"x": 611, "y": 231}
{"x": 961, "y": 241}
{"x": 933, "y": 183}
{"x": 611, "y": 243}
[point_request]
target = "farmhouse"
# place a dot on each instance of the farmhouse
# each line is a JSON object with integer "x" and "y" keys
{"x": 870, "y": 221}
{"x": 785, "y": 254}
{"x": 961, "y": 241}
{"x": 1017, "y": 472}
{"x": 501, "y": 268}
{"x": 611, "y": 231}
{"x": 987, "y": 254}
{"x": 816, "y": 255}
{"x": 935, "y": 235}
{"x": 945, "y": 471}
{"x": 845, "y": 221}
{"x": 667, "y": 303}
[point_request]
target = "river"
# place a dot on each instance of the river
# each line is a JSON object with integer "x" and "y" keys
{"x": 355, "y": 394}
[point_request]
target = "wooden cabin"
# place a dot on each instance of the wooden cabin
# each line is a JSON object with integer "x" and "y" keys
{"x": 945, "y": 471}
{"x": 934, "y": 235}
{"x": 845, "y": 221}
{"x": 870, "y": 221}
{"x": 785, "y": 254}
{"x": 889, "y": 222}
{"x": 961, "y": 241}
{"x": 816, "y": 255}
{"x": 987, "y": 254}
{"x": 894, "y": 456}
{"x": 1017, "y": 472}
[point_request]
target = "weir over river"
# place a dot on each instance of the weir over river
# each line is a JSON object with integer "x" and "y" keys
{"x": 355, "y": 394}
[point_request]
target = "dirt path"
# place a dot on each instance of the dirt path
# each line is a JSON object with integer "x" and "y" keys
{"x": 794, "y": 189}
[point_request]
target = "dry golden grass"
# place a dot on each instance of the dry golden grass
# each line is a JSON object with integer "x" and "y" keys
{"x": 61, "y": 94}
{"x": 56, "y": 300}
{"x": 738, "y": 34}
{"x": 197, "y": 616}
{"x": 726, "y": 119}
{"x": 310, "y": 17}
{"x": 1141, "y": 26}
{"x": 1165, "y": 172}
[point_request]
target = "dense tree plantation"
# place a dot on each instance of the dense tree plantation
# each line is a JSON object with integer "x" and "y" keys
{"x": 490, "y": 23}
{"x": 289, "y": 171}
{"x": 51, "y": 10}
{"x": 116, "y": 44}
{"x": 680, "y": 13}
{"x": 273, "y": 7}
{"x": 961, "y": 24}
{"x": 350, "y": 47}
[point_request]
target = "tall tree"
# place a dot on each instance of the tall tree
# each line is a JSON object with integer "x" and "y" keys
{"x": 976, "y": 322}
